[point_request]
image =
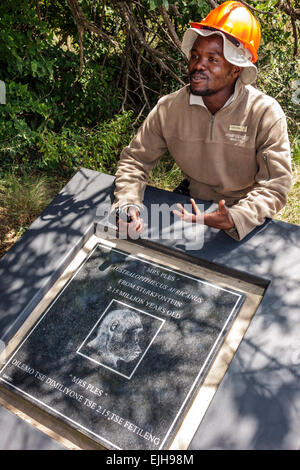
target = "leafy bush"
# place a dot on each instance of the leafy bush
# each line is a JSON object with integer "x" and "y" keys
{"x": 60, "y": 108}
{"x": 96, "y": 148}
{"x": 278, "y": 65}
{"x": 45, "y": 92}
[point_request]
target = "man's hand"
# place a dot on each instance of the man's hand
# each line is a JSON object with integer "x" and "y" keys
{"x": 133, "y": 228}
{"x": 220, "y": 219}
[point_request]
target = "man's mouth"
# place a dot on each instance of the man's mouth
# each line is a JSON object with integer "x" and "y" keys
{"x": 198, "y": 77}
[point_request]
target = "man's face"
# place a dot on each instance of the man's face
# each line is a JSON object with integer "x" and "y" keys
{"x": 209, "y": 71}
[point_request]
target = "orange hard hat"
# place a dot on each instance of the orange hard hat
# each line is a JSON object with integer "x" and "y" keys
{"x": 236, "y": 21}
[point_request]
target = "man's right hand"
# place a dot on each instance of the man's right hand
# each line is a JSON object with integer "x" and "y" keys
{"x": 135, "y": 226}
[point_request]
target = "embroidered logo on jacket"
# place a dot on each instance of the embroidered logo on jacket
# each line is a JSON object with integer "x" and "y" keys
{"x": 238, "y": 138}
{"x": 233, "y": 127}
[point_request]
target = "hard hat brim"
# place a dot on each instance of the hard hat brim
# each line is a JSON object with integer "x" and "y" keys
{"x": 234, "y": 55}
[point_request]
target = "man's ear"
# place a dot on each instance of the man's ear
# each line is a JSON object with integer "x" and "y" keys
{"x": 237, "y": 70}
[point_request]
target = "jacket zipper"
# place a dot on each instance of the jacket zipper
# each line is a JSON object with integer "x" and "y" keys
{"x": 265, "y": 157}
{"x": 212, "y": 119}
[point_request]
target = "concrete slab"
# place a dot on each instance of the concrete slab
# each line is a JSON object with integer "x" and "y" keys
{"x": 16, "y": 434}
{"x": 257, "y": 405}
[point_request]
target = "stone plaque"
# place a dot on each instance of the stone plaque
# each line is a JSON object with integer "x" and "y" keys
{"x": 121, "y": 351}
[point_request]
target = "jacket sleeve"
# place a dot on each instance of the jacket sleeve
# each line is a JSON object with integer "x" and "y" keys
{"x": 138, "y": 159}
{"x": 273, "y": 179}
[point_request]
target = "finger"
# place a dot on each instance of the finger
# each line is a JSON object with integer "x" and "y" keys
{"x": 141, "y": 226}
{"x": 135, "y": 228}
{"x": 178, "y": 214}
{"x": 195, "y": 207}
{"x": 137, "y": 223}
{"x": 183, "y": 215}
{"x": 133, "y": 213}
{"x": 222, "y": 207}
{"x": 183, "y": 210}
{"x": 180, "y": 206}
{"x": 186, "y": 216}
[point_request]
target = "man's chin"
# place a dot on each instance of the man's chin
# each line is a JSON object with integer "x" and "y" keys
{"x": 196, "y": 92}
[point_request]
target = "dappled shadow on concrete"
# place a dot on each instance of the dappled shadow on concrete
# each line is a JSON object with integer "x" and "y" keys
{"x": 16, "y": 434}
{"x": 26, "y": 269}
{"x": 257, "y": 405}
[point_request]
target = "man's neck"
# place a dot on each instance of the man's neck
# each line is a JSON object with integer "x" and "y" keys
{"x": 215, "y": 102}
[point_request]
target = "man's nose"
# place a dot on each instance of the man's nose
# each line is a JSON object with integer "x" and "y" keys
{"x": 200, "y": 64}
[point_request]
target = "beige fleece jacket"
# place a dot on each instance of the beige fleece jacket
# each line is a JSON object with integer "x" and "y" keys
{"x": 240, "y": 154}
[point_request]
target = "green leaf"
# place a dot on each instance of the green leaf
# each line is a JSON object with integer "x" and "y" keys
{"x": 153, "y": 4}
{"x": 34, "y": 67}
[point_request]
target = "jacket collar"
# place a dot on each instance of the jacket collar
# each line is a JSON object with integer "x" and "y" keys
{"x": 198, "y": 100}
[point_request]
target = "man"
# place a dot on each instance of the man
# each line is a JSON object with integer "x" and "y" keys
{"x": 229, "y": 139}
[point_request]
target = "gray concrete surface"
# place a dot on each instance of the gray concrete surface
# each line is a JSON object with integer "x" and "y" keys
{"x": 257, "y": 405}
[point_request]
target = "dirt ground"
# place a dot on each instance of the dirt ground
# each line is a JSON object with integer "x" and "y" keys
{"x": 8, "y": 235}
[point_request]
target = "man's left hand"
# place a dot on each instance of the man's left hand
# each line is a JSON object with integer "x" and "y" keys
{"x": 220, "y": 218}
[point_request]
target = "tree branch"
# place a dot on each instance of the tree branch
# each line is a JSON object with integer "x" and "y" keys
{"x": 141, "y": 82}
{"x": 82, "y": 21}
{"x": 295, "y": 34}
{"x": 293, "y": 12}
{"x": 156, "y": 55}
{"x": 213, "y": 3}
{"x": 170, "y": 27}
{"x": 38, "y": 10}
{"x": 81, "y": 50}
{"x": 262, "y": 12}
{"x": 128, "y": 19}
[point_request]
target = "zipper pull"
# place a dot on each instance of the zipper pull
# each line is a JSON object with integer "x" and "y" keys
{"x": 212, "y": 119}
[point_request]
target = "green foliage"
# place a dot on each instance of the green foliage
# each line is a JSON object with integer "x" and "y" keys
{"x": 192, "y": 10}
{"x": 45, "y": 92}
{"x": 296, "y": 150}
{"x": 59, "y": 116}
{"x": 98, "y": 148}
{"x": 278, "y": 65}
{"x": 24, "y": 198}
{"x": 166, "y": 174}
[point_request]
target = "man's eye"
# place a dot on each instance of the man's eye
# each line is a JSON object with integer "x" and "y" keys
{"x": 212, "y": 59}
